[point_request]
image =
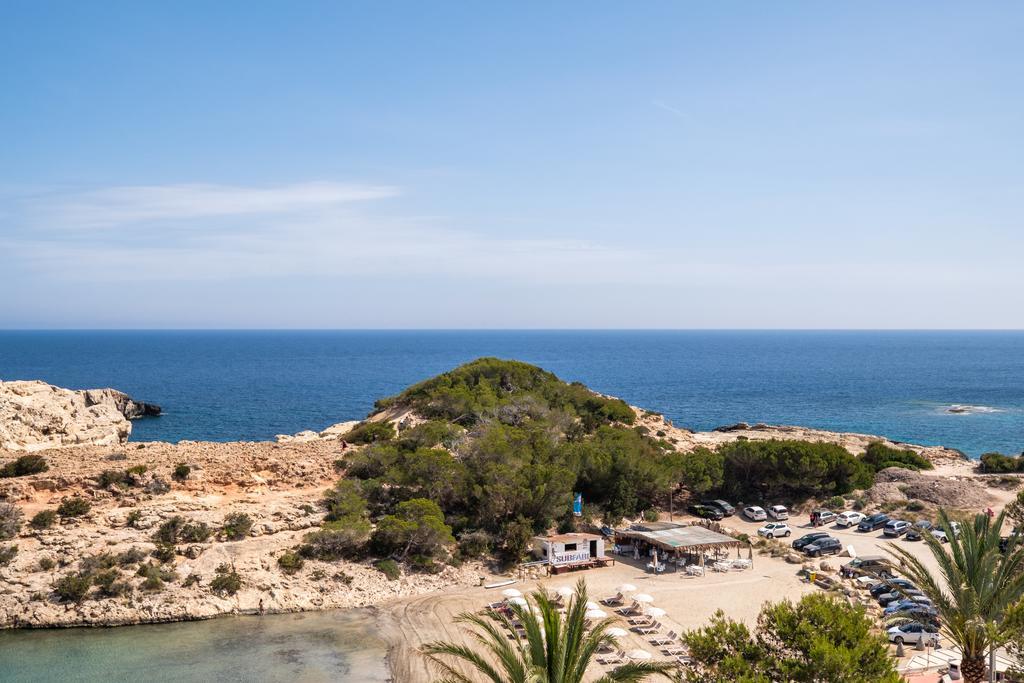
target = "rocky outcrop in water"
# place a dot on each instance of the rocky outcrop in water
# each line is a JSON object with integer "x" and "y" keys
{"x": 35, "y": 416}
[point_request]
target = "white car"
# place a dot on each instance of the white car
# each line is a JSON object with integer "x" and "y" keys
{"x": 850, "y": 518}
{"x": 774, "y": 530}
{"x": 755, "y": 513}
{"x": 778, "y": 512}
{"x": 913, "y": 633}
{"x": 940, "y": 533}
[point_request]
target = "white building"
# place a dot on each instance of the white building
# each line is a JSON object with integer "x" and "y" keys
{"x": 570, "y": 551}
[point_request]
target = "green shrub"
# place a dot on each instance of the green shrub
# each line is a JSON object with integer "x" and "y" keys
{"x": 915, "y": 506}
{"x": 73, "y": 507}
{"x": 118, "y": 478}
{"x": 290, "y": 562}
{"x": 133, "y": 518}
{"x": 879, "y": 456}
{"x": 237, "y": 526}
{"x": 43, "y": 519}
{"x": 181, "y": 471}
{"x": 152, "y": 584}
{"x": 227, "y": 581}
{"x": 163, "y": 552}
{"x": 24, "y": 466}
{"x": 475, "y": 543}
{"x": 195, "y": 533}
{"x": 997, "y": 463}
{"x": 72, "y": 587}
{"x": 370, "y": 432}
{"x": 137, "y": 470}
{"x": 835, "y": 503}
{"x": 133, "y": 555}
{"x": 650, "y": 515}
{"x": 94, "y": 563}
{"x": 335, "y": 540}
{"x": 7, "y": 554}
{"x": 344, "y": 500}
{"x": 390, "y": 569}
{"x": 46, "y": 563}
{"x": 109, "y": 584}
{"x": 10, "y": 520}
{"x": 190, "y": 580}
{"x": 417, "y": 527}
{"x": 169, "y": 531}
{"x": 155, "y": 576}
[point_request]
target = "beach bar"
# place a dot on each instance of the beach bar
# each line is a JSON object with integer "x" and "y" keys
{"x": 566, "y": 552}
{"x": 676, "y": 540}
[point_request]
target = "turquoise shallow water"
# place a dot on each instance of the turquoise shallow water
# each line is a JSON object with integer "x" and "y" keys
{"x": 293, "y": 648}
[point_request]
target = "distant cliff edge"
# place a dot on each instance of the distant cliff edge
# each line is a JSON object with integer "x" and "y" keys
{"x": 35, "y": 416}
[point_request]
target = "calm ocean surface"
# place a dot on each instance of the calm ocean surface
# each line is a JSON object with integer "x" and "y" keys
{"x": 253, "y": 385}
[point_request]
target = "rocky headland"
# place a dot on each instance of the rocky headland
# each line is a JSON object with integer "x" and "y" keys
{"x": 130, "y": 490}
{"x": 35, "y": 416}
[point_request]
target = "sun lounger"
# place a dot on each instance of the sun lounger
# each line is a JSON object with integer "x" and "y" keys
{"x": 667, "y": 639}
{"x": 613, "y": 600}
{"x": 656, "y": 568}
{"x": 653, "y": 627}
{"x": 694, "y": 570}
{"x": 684, "y": 660}
{"x": 617, "y": 657}
{"x": 641, "y": 620}
{"x": 676, "y": 650}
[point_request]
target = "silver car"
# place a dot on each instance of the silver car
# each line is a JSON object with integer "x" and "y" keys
{"x": 755, "y": 513}
{"x": 913, "y": 633}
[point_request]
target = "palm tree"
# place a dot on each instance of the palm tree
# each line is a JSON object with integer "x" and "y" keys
{"x": 975, "y": 587}
{"x": 555, "y": 649}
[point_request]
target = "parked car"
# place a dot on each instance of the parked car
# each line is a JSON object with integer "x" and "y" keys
{"x": 607, "y": 532}
{"x": 778, "y": 512}
{"x": 755, "y": 513}
{"x": 873, "y": 522}
{"x": 918, "y": 531}
{"x": 824, "y": 546}
{"x": 774, "y": 530}
{"x": 886, "y": 599}
{"x": 850, "y": 518}
{"x": 940, "y": 533}
{"x": 896, "y": 527}
{"x": 871, "y": 565}
{"x": 705, "y": 511}
{"x": 891, "y": 585}
{"x": 922, "y": 606}
{"x": 807, "y": 539}
{"x": 914, "y": 632}
{"x": 822, "y": 517}
{"x": 722, "y": 506}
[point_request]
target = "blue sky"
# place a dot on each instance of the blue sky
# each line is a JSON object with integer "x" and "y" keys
{"x": 595, "y": 165}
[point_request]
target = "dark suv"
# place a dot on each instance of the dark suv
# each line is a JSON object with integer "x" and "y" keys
{"x": 824, "y": 546}
{"x": 722, "y": 506}
{"x": 807, "y": 539}
{"x": 876, "y": 521}
{"x": 705, "y": 511}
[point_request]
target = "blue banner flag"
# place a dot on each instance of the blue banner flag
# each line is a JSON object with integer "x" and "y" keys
{"x": 577, "y": 504}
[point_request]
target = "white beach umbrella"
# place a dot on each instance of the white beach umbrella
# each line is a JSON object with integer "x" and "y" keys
{"x": 639, "y": 654}
{"x": 512, "y": 593}
{"x": 592, "y": 605}
{"x": 643, "y": 597}
{"x": 627, "y": 588}
{"x": 655, "y": 612}
{"x": 616, "y": 632}
{"x": 596, "y": 614}
{"x": 517, "y": 601}
{"x": 565, "y": 591}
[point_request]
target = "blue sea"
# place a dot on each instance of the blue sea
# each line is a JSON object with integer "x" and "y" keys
{"x": 228, "y": 385}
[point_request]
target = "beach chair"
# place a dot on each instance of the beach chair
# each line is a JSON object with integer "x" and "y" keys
{"x": 675, "y": 650}
{"x": 683, "y": 661}
{"x": 494, "y": 606}
{"x": 641, "y": 620}
{"x": 653, "y": 627}
{"x": 617, "y": 657}
{"x": 613, "y": 600}
{"x": 667, "y": 639}
{"x": 629, "y": 609}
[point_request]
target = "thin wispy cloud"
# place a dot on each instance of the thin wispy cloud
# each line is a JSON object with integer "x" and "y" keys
{"x": 667, "y": 107}
{"x": 111, "y": 207}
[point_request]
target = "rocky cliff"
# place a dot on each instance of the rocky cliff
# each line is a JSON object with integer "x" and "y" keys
{"x": 35, "y": 416}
